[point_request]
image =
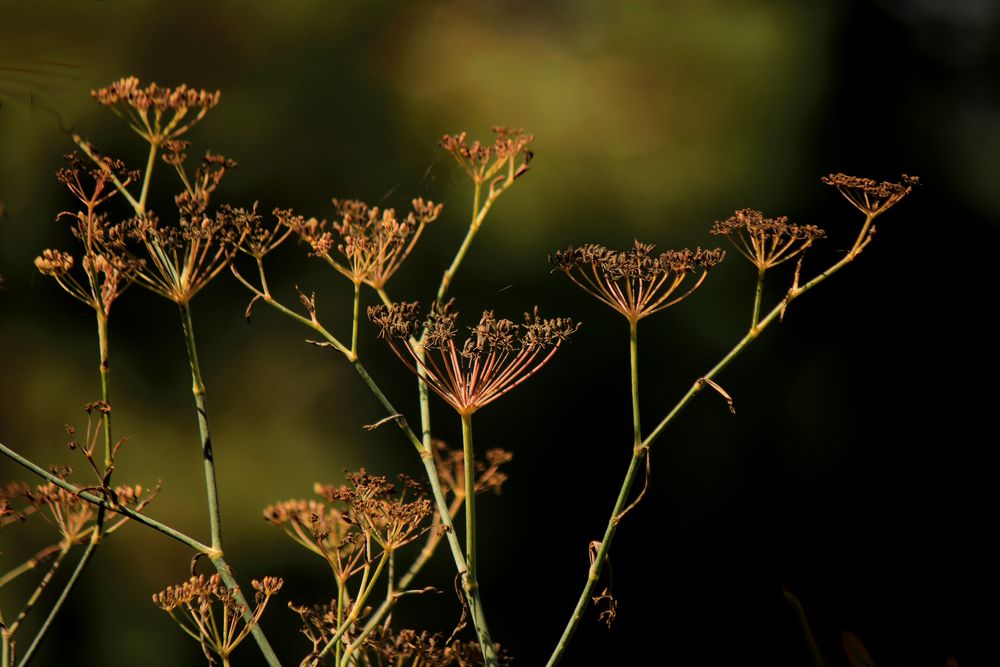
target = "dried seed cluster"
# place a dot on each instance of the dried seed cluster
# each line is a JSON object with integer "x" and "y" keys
{"x": 497, "y": 356}
{"x": 423, "y": 649}
{"x": 107, "y": 266}
{"x": 487, "y": 162}
{"x": 635, "y": 282}
{"x": 766, "y": 242}
{"x": 869, "y": 196}
{"x": 193, "y": 606}
{"x": 450, "y": 464}
{"x": 372, "y": 242}
{"x": 155, "y": 112}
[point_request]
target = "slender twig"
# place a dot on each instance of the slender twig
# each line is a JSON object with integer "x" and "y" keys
{"x": 37, "y": 593}
{"x": 101, "y": 502}
{"x": 30, "y": 564}
{"x": 639, "y": 452}
{"x": 367, "y": 586}
{"x": 776, "y": 313}
{"x": 756, "y": 299}
{"x": 70, "y": 583}
{"x": 208, "y": 456}
{"x": 471, "y": 579}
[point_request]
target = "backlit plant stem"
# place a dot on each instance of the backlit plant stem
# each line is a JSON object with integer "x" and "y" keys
{"x": 426, "y": 456}
{"x": 208, "y": 456}
{"x": 639, "y": 453}
{"x": 80, "y": 566}
{"x": 776, "y": 313}
{"x": 98, "y": 533}
{"x": 756, "y": 299}
{"x": 433, "y": 540}
{"x": 368, "y": 582}
{"x": 211, "y": 486}
{"x": 471, "y": 578}
{"x": 220, "y": 565}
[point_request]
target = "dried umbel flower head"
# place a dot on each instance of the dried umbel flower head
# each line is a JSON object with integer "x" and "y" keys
{"x": 108, "y": 274}
{"x": 766, "y": 242}
{"x": 495, "y": 357}
{"x": 13, "y": 496}
{"x": 391, "y": 514}
{"x": 322, "y": 529}
{"x": 94, "y": 185}
{"x": 635, "y": 282}
{"x": 504, "y": 160}
{"x": 183, "y": 259}
{"x": 373, "y": 242}
{"x": 73, "y": 517}
{"x": 260, "y": 239}
{"x": 193, "y": 605}
{"x": 423, "y": 649}
{"x": 450, "y": 464}
{"x": 868, "y": 196}
{"x": 156, "y": 113}
{"x": 106, "y": 264}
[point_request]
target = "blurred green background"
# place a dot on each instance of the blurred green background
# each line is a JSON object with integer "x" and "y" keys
{"x": 858, "y": 472}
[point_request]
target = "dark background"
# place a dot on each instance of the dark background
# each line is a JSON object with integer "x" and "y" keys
{"x": 858, "y": 473}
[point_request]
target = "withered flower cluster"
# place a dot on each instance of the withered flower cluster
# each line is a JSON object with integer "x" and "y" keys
{"x": 766, "y": 242}
{"x": 259, "y": 239}
{"x": 368, "y": 509}
{"x": 635, "y": 282}
{"x": 73, "y": 517}
{"x": 391, "y": 514}
{"x": 183, "y": 259}
{"x": 107, "y": 266}
{"x": 869, "y": 196}
{"x": 497, "y": 356}
{"x": 491, "y": 163}
{"x": 411, "y": 648}
{"x": 450, "y": 464}
{"x": 373, "y": 241}
{"x": 324, "y": 530}
{"x": 193, "y": 605}
{"x": 156, "y": 113}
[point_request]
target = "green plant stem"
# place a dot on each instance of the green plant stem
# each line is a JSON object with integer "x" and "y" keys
{"x": 37, "y": 593}
{"x": 30, "y": 564}
{"x": 368, "y": 585}
{"x": 340, "y": 619}
{"x": 354, "y": 326}
{"x": 101, "y": 502}
{"x": 423, "y": 450}
{"x": 98, "y": 533}
{"x": 211, "y": 486}
{"x": 74, "y": 577}
{"x": 147, "y": 177}
{"x": 776, "y": 313}
{"x": 474, "y": 225}
{"x": 471, "y": 578}
{"x": 433, "y": 540}
{"x": 222, "y": 567}
{"x": 756, "y": 299}
{"x": 208, "y": 456}
{"x": 5, "y": 651}
{"x": 639, "y": 452}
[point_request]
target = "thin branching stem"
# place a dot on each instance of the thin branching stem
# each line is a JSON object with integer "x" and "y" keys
{"x": 756, "y": 299}
{"x": 208, "y": 455}
{"x": 70, "y": 583}
{"x": 471, "y": 578}
{"x": 367, "y": 587}
{"x": 639, "y": 452}
{"x": 776, "y": 313}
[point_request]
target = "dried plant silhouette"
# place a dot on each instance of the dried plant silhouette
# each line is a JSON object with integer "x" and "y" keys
{"x": 375, "y": 534}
